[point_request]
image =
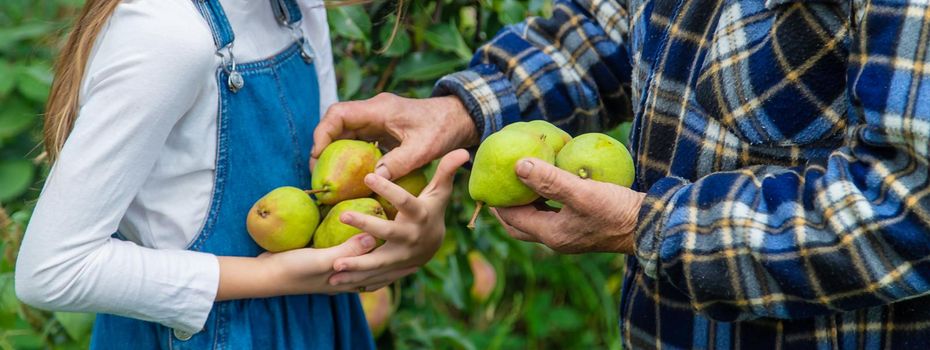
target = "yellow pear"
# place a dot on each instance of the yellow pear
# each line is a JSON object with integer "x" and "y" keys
{"x": 339, "y": 173}
{"x": 333, "y": 232}
{"x": 283, "y": 219}
{"x": 414, "y": 183}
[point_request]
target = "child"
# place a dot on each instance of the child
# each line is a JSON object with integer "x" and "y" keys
{"x": 167, "y": 120}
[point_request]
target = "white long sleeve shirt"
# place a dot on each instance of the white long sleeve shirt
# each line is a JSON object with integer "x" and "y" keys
{"x": 140, "y": 160}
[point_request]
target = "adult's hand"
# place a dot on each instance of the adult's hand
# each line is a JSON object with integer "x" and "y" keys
{"x": 416, "y": 130}
{"x": 595, "y": 216}
{"x": 411, "y": 238}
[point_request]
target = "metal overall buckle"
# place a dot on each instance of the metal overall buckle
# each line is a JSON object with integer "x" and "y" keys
{"x": 235, "y": 81}
{"x": 306, "y": 51}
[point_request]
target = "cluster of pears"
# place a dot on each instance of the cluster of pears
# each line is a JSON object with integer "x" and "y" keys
{"x": 288, "y": 217}
{"x": 494, "y": 181}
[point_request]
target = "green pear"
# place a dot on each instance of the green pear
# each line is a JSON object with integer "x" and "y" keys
{"x": 493, "y": 179}
{"x": 378, "y": 309}
{"x": 333, "y": 232}
{"x": 340, "y": 171}
{"x": 555, "y": 137}
{"x": 283, "y": 219}
{"x": 414, "y": 183}
{"x": 597, "y": 157}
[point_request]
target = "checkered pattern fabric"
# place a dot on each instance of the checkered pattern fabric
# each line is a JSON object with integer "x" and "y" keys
{"x": 783, "y": 145}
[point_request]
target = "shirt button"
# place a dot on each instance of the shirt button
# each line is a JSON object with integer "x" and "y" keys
{"x": 182, "y": 335}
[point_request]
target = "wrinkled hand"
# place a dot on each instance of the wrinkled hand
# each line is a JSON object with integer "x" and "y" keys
{"x": 416, "y": 130}
{"x": 595, "y": 216}
{"x": 411, "y": 238}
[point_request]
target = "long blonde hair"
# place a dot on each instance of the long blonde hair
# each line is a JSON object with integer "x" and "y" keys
{"x": 61, "y": 108}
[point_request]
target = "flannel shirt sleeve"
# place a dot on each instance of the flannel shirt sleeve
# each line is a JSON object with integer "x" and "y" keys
{"x": 852, "y": 233}
{"x": 572, "y": 69}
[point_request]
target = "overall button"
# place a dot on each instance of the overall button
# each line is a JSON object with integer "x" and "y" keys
{"x": 182, "y": 335}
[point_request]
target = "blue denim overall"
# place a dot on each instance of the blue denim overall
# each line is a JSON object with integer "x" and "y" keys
{"x": 267, "y": 112}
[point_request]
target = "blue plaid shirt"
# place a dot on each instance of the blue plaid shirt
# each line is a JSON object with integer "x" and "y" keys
{"x": 783, "y": 145}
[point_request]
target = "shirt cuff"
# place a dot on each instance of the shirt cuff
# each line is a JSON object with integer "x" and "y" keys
{"x": 487, "y": 95}
{"x": 199, "y": 292}
{"x": 653, "y": 215}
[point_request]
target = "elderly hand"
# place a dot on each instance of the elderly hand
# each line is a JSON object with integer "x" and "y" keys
{"x": 418, "y": 130}
{"x": 411, "y": 238}
{"x": 595, "y": 216}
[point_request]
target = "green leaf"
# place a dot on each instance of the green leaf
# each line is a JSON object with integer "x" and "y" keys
{"x": 25, "y": 339}
{"x": 445, "y": 37}
{"x": 8, "y": 302}
{"x": 15, "y": 178}
{"x": 401, "y": 43}
{"x": 7, "y": 78}
{"x": 32, "y": 30}
{"x": 350, "y": 22}
{"x": 76, "y": 324}
{"x": 423, "y": 66}
{"x": 350, "y": 77}
{"x": 451, "y": 336}
{"x": 510, "y": 11}
{"x": 453, "y": 287}
{"x": 564, "y": 318}
{"x": 15, "y": 117}
{"x": 34, "y": 81}
{"x": 621, "y": 133}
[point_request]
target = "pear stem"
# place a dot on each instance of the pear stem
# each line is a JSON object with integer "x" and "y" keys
{"x": 474, "y": 216}
{"x": 316, "y": 191}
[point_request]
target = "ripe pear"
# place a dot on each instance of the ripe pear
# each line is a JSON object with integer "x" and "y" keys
{"x": 283, "y": 219}
{"x": 597, "y": 157}
{"x": 414, "y": 183}
{"x": 333, "y": 232}
{"x": 340, "y": 171}
{"x": 378, "y": 309}
{"x": 493, "y": 179}
{"x": 555, "y": 137}
{"x": 485, "y": 276}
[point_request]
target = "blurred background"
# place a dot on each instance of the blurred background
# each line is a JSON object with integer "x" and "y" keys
{"x": 483, "y": 290}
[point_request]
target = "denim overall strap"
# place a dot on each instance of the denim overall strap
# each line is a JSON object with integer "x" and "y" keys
{"x": 213, "y": 12}
{"x": 286, "y": 11}
{"x": 264, "y": 136}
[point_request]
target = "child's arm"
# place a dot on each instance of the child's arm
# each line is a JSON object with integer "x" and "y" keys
{"x": 299, "y": 271}
{"x": 146, "y": 73}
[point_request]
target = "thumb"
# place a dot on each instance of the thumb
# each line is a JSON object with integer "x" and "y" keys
{"x": 357, "y": 245}
{"x": 402, "y": 160}
{"x": 550, "y": 181}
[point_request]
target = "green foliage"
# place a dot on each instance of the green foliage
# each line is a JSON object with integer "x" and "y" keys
{"x": 541, "y": 300}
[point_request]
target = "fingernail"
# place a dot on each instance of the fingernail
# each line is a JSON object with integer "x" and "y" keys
{"x": 383, "y": 171}
{"x": 368, "y": 242}
{"x": 370, "y": 179}
{"x": 340, "y": 267}
{"x": 346, "y": 218}
{"x": 524, "y": 168}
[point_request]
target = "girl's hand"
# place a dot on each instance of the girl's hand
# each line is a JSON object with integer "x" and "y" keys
{"x": 411, "y": 239}
{"x": 298, "y": 271}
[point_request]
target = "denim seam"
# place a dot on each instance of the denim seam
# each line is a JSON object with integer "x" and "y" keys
{"x": 220, "y": 169}
{"x": 289, "y": 117}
